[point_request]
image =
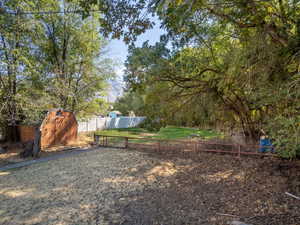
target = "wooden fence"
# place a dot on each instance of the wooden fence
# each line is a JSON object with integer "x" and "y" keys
{"x": 180, "y": 146}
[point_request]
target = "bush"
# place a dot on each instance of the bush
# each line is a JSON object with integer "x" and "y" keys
{"x": 286, "y": 134}
{"x": 152, "y": 125}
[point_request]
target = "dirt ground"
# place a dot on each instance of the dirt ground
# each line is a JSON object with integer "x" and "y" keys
{"x": 13, "y": 154}
{"x": 115, "y": 186}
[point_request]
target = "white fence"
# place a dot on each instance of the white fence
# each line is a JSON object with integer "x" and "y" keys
{"x": 98, "y": 123}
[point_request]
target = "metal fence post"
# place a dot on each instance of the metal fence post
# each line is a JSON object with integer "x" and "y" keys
{"x": 96, "y": 139}
{"x": 158, "y": 146}
{"x": 126, "y": 142}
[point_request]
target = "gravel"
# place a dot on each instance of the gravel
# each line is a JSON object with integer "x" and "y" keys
{"x": 114, "y": 186}
{"x": 80, "y": 189}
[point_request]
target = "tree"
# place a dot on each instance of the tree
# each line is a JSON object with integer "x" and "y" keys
{"x": 130, "y": 101}
{"x": 120, "y": 19}
{"x": 15, "y": 63}
{"x": 70, "y": 55}
{"x": 49, "y": 60}
{"x": 244, "y": 55}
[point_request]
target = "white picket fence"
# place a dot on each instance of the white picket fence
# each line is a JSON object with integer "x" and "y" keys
{"x": 100, "y": 123}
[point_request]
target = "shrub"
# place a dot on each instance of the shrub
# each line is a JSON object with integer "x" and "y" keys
{"x": 286, "y": 134}
{"x": 152, "y": 125}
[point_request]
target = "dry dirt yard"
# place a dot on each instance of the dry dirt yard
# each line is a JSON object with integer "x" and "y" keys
{"x": 84, "y": 140}
{"x": 114, "y": 186}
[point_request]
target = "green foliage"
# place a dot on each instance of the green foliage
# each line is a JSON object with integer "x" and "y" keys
{"x": 70, "y": 56}
{"x": 130, "y": 101}
{"x": 151, "y": 124}
{"x": 16, "y": 63}
{"x": 285, "y": 132}
{"x": 50, "y": 61}
{"x": 234, "y": 65}
{"x": 124, "y": 18}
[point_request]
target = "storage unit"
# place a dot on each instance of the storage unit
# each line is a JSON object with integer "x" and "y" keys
{"x": 58, "y": 127}
{"x": 26, "y": 133}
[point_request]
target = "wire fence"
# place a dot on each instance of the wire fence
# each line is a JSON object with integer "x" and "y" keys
{"x": 181, "y": 146}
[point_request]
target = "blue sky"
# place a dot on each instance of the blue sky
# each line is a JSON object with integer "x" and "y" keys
{"x": 118, "y": 50}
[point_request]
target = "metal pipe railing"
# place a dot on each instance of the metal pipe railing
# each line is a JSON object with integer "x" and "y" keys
{"x": 196, "y": 146}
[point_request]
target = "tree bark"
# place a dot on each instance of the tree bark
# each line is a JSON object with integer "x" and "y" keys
{"x": 37, "y": 143}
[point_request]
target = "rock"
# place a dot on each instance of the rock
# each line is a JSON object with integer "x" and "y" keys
{"x": 238, "y": 223}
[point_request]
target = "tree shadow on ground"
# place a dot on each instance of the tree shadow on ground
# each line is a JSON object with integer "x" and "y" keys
{"x": 207, "y": 186}
{"x": 130, "y": 188}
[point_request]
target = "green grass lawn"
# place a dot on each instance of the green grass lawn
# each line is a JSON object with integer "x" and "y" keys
{"x": 171, "y": 132}
{"x": 165, "y": 133}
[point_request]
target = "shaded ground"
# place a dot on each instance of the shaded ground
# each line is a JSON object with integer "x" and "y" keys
{"x": 13, "y": 154}
{"x": 111, "y": 186}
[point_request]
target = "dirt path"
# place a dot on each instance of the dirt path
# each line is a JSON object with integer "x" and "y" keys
{"x": 57, "y": 155}
{"x": 114, "y": 186}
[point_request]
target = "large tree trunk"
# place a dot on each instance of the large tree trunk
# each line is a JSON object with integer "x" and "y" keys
{"x": 37, "y": 143}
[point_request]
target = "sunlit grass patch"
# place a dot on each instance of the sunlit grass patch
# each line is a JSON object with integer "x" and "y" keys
{"x": 128, "y": 132}
{"x": 165, "y": 133}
